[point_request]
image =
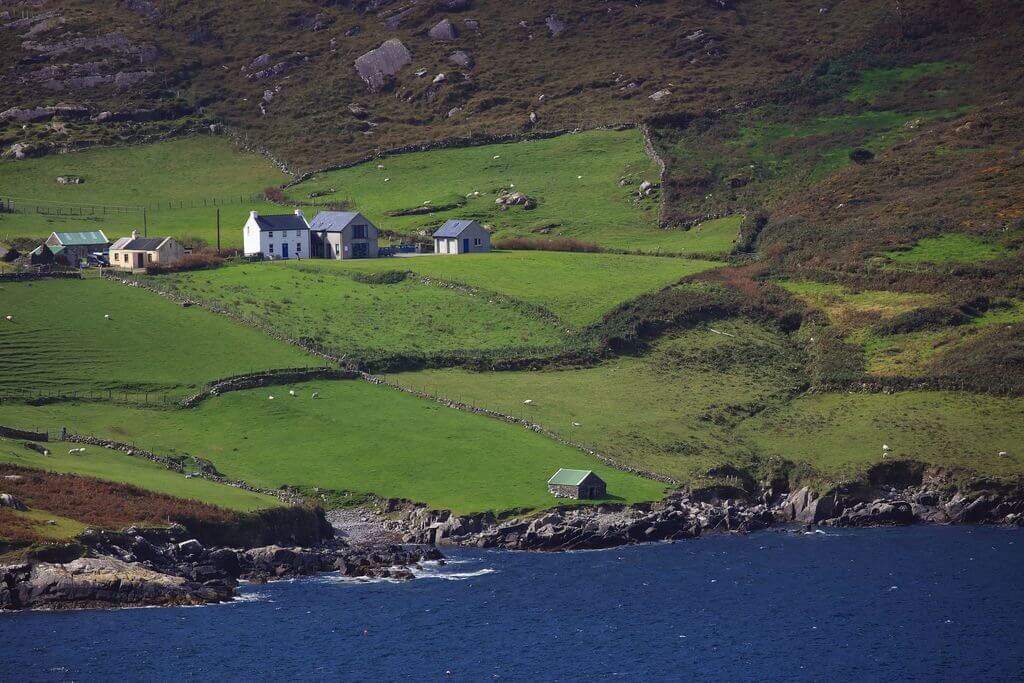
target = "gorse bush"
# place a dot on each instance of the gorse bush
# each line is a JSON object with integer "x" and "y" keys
{"x": 200, "y": 260}
{"x": 385, "y": 277}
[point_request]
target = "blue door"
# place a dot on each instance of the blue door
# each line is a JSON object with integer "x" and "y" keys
{"x": 465, "y": 246}
{"x": 284, "y": 250}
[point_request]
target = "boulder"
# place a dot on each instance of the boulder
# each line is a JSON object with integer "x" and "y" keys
{"x": 454, "y": 5}
{"x": 379, "y": 64}
{"x": 660, "y": 95}
{"x": 555, "y": 25}
{"x": 472, "y": 24}
{"x": 191, "y": 548}
{"x": 461, "y": 58}
{"x": 9, "y": 501}
{"x": 22, "y": 150}
{"x": 443, "y": 30}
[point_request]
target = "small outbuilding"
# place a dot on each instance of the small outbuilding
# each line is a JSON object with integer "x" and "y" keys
{"x": 76, "y": 246}
{"x": 578, "y": 484}
{"x": 129, "y": 253}
{"x": 344, "y": 235}
{"x": 461, "y": 237}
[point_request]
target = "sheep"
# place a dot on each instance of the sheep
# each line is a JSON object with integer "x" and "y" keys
{"x": 386, "y": 180}
{"x": 1003, "y": 454}
{"x": 291, "y": 392}
{"x": 885, "y": 447}
{"x": 75, "y": 451}
{"x": 9, "y": 318}
{"x": 316, "y": 394}
{"x": 528, "y": 402}
{"x": 576, "y": 424}
{"x": 380, "y": 165}
{"x": 270, "y": 398}
{"x": 497, "y": 156}
{"x": 106, "y": 316}
{"x": 579, "y": 177}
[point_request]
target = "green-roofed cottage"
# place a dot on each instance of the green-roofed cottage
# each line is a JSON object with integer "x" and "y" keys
{"x": 578, "y": 484}
{"x": 76, "y": 246}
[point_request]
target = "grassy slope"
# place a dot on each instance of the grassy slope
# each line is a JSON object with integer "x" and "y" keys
{"x": 579, "y": 288}
{"x": 60, "y": 341}
{"x": 356, "y": 437}
{"x": 187, "y": 170}
{"x": 843, "y": 433}
{"x": 349, "y": 316}
{"x": 681, "y": 411}
{"x": 669, "y": 410}
{"x": 115, "y": 466}
{"x": 951, "y": 247}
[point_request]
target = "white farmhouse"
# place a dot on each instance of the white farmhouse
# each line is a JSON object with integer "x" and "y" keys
{"x": 281, "y": 236}
{"x": 461, "y": 237}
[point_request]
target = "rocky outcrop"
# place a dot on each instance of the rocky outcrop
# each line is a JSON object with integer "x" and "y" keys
{"x": 379, "y": 65}
{"x": 9, "y": 501}
{"x": 101, "y": 582}
{"x": 461, "y": 58}
{"x": 443, "y": 30}
{"x": 556, "y": 26}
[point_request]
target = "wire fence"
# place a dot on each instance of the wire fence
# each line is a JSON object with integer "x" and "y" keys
{"x": 46, "y": 207}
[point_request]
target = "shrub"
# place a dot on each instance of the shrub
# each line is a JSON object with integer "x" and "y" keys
{"x": 274, "y": 194}
{"x": 861, "y": 155}
{"x": 385, "y": 277}
{"x": 554, "y": 244}
{"x": 200, "y": 260}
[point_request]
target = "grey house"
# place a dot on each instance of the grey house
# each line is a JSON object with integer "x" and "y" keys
{"x": 461, "y": 237}
{"x": 577, "y": 484}
{"x": 344, "y": 235}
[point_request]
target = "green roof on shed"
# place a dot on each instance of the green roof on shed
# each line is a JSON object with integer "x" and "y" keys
{"x": 69, "y": 239}
{"x": 566, "y": 477}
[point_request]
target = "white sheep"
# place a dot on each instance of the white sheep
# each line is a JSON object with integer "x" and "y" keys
{"x": 76, "y": 450}
{"x": 576, "y": 424}
{"x": 387, "y": 180}
{"x": 885, "y": 447}
{"x": 9, "y": 318}
{"x": 1003, "y": 454}
{"x": 270, "y": 398}
{"x": 528, "y": 402}
{"x": 380, "y": 165}
{"x": 579, "y": 177}
{"x": 497, "y": 156}
{"x": 291, "y": 392}
{"x": 106, "y": 316}
{"x": 316, "y": 394}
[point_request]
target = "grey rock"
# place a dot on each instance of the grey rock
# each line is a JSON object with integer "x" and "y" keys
{"x": 377, "y": 65}
{"x": 443, "y": 30}
{"x": 472, "y": 24}
{"x": 458, "y": 58}
{"x": 9, "y": 501}
{"x": 454, "y": 5}
{"x": 556, "y": 26}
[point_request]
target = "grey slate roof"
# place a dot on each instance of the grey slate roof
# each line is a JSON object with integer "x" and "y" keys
{"x": 287, "y": 221}
{"x": 452, "y": 228}
{"x": 143, "y": 243}
{"x": 333, "y": 221}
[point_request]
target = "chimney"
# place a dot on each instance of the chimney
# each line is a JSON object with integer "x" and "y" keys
{"x": 298, "y": 212}
{"x": 253, "y": 214}
{"x": 135, "y": 234}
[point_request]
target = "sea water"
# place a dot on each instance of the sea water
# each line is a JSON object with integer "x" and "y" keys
{"x": 911, "y": 604}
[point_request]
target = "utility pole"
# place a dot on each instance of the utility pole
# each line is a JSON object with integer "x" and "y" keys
{"x": 145, "y": 223}
{"x": 218, "y": 232}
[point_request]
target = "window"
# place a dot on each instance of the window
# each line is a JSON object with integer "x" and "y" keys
{"x": 117, "y": 256}
{"x": 270, "y": 234}
{"x": 337, "y": 249}
{"x": 359, "y": 232}
{"x": 476, "y": 241}
{"x": 284, "y": 234}
{"x": 298, "y": 246}
{"x": 271, "y": 247}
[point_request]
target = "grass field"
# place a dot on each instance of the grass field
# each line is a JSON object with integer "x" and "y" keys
{"x": 185, "y": 171}
{"x": 670, "y": 410}
{"x": 59, "y": 341}
{"x": 951, "y": 247}
{"x": 851, "y": 310}
{"x": 108, "y": 465}
{"x": 876, "y": 83}
{"x": 579, "y": 288}
{"x": 574, "y": 178}
{"x": 842, "y": 434}
{"x": 355, "y": 437}
{"x": 351, "y": 316}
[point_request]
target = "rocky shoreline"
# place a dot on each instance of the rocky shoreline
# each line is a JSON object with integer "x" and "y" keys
{"x": 900, "y": 494}
{"x": 166, "y": 567}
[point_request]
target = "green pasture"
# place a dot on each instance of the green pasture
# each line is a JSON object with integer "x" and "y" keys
{"x": 355, "y": 437}
{"x": 350, "y": 316}
{"x": 579, "y": 288}
{"x": 163, "y": 176}
{"x": 574, "y": 178}
{"x": 671, "y": 410}
{"x": 842, "y": 434}
{"x": 950, "y": 247}
{"x": 110, "y": 465}
{"x": 58, "y": 340}
{"x": 875, "y": 83}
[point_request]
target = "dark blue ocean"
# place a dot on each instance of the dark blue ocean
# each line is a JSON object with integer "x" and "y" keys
{"x": 917, "y": 604}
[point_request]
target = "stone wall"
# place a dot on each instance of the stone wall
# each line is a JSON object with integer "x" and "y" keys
{"x": 265, "y": 379}
{"x": 563, "y": 491}
{"x": 26, "y": 276}
{"x": 14, "y": 433}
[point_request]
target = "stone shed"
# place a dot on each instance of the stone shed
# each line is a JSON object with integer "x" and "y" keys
{"x": 578, "y": 484}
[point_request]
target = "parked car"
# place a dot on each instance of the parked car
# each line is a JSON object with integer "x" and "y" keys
{"x": 98, "y": 259}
